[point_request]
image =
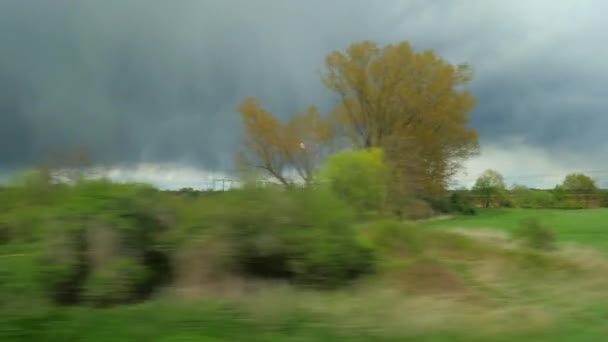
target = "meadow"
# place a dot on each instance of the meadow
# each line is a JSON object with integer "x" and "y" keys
{"x": 464, "y": 278}
{"x": 586, "y": 227}
{"x": 100, "y": 261}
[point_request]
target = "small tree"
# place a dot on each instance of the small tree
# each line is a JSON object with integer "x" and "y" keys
{"x": 490, "y": 186}
{"x": 278, "y": 148}
{"x": 579, "y": 183}
{"x": 358, "y": 177}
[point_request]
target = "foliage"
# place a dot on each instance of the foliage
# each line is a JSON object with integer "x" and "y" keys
{"x": 359, "y": 177}
{"x": 461, "y": 201}
{"x": 416, "y": 209}
{"x": 529, "y": 198}
{"x": 578, "y": 182}
{"x": 604, "y": 199}
{"x": 97, "y": 238}
{"x": 117, "y": 281}
{"x": 458, "y": 201}
{"x": 536, "y": 235}
{"x": 412, "y": 104}
{"x": 276, "y": 148}
{"x": 63, "y": 266}
{"x": 490, "y": 186}
{"x": 306, "y": 235}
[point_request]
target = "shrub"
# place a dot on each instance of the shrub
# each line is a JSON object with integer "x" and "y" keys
{"x": 418, "y": 210}
{"x": 360, "y": 178}
{"x": 462, "y": 202}
{"x": 118, "y": 281}
{"x": 63, "y": 266}
{"x": 603, "y": 199}
{"x": 304, "y": 235}
{"x": 441, "y": 204}
{"x": 536, "y": 235}
{"x": 458, "y": 202}
{"x": 100, "y": 236}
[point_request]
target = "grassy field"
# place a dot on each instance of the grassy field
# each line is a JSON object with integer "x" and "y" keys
{"x": 456, "y": 288}
{"x": 587, "y": 227}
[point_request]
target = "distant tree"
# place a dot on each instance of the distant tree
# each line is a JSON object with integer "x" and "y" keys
{"x": 413, "y": 105}
{"x": 490, "y": 186}
{"x": 579, "y": 183}
{"x": 277, "y": 148}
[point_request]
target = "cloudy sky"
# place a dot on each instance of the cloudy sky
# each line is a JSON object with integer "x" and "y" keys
{"x": 150, "y": 86}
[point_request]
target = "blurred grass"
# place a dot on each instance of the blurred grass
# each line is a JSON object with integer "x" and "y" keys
{"x": 212, "y": 321}
{"x": 438, "y": 284}
{"x": 502, "y": 300}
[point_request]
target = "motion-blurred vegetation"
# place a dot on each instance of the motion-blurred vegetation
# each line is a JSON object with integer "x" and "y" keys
{"x": 343, "y": 245}
{"x": 267, "y": 259}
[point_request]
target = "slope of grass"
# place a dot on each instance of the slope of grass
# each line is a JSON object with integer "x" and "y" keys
{"x": 587, "y": 227}
{"x": 439, "y": 286}
{"x": 165, "y": 323}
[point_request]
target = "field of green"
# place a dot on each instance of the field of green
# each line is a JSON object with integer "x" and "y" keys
{"x": 588, "y": 227}
{"x": 431, "y": 281}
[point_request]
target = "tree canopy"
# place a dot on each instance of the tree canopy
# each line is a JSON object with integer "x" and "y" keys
{"x": 490, "y": 186}
{"x": 578, "y": 182}
{"x": 278, "y": 148}
{"x": 412, "y": 105}
{"x": 395, "y": 96}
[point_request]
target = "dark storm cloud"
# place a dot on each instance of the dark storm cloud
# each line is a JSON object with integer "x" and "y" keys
{"x": 157, "y": 81}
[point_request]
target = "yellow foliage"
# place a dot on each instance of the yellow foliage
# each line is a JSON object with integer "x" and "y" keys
{"x": 393, "y": 93}
{"x": 275, "y": 147}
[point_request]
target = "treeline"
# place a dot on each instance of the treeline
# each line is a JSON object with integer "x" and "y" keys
{"x": 577, "y": 191}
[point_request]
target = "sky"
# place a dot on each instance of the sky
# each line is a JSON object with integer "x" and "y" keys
{"x": 150, "y": 87}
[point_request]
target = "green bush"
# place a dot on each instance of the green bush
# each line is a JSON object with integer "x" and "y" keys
{"x": 462, "y": 202}
{"x": 457, "y": 202}
{"x": 305, "y": 235}
{"x": 416, "y": 209}
{"x": 535, "y": 235}
{"x": 63, "y": 266}
{"x": 119, "y": 281}
{"x": 95, "y": 225}
{"x": 360, "y": 178}
{"x": 603, "y": 198}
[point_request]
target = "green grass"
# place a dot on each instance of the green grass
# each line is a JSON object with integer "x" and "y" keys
{"x": 576, "y": 307}
{"x": 588, "y": 227}
{"x": 159, "y": 321}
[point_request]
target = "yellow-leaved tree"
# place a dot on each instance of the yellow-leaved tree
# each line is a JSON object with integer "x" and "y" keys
{"x": 280, "y": 149}
{"x": 412, "y": 104}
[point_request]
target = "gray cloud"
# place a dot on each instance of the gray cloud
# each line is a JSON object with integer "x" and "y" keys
{"x": 154, "y": 81}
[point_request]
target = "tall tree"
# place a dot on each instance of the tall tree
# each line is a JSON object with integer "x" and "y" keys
{"x": 394, "y": 93}
{"x": 282, "y": 148}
